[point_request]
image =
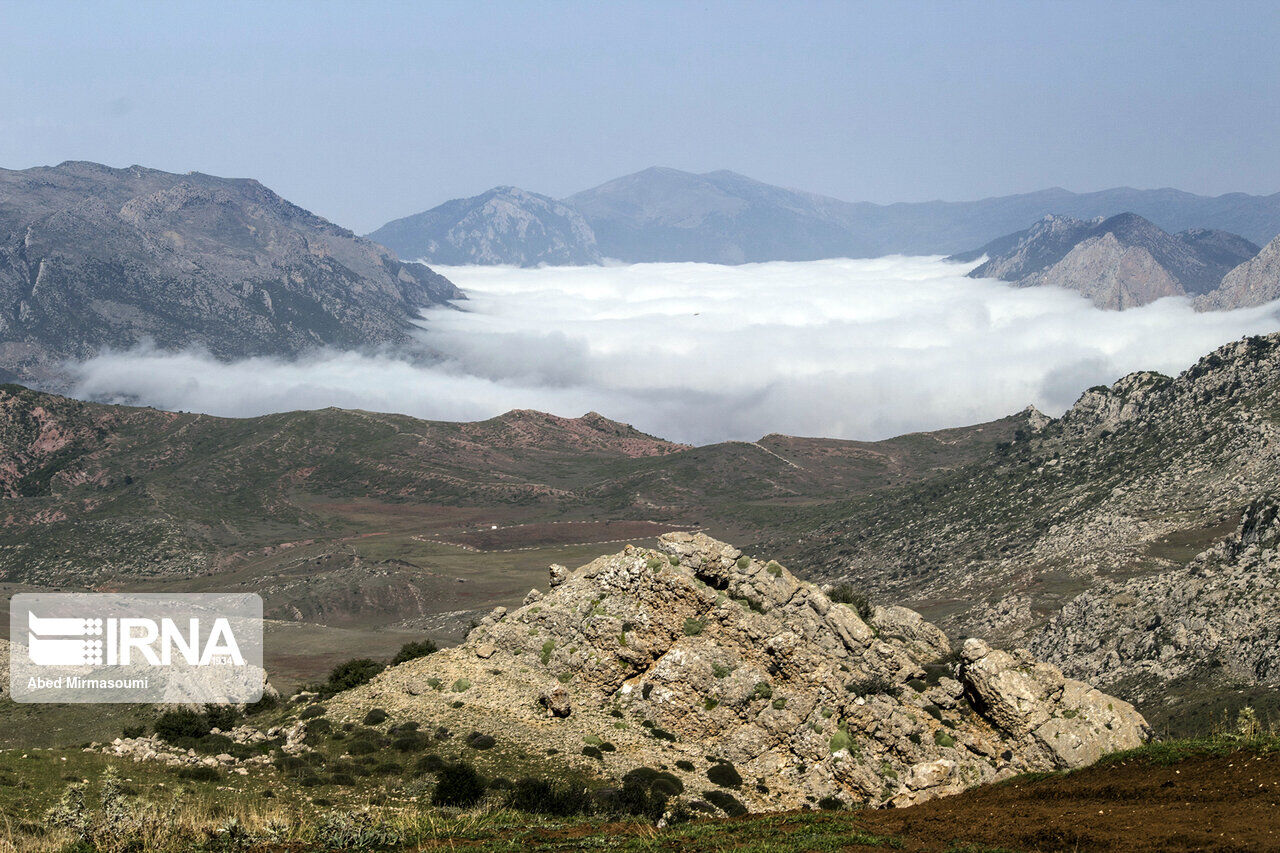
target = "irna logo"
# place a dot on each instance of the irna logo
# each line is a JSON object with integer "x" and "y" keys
{"x": 92, "y": 641}
{"x": 136, "y": 647}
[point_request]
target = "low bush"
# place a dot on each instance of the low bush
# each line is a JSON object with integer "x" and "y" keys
{"x": 353, "y": 673}
{"x": 724, "y": 774}
{"x": 182, "y": 723}
{"x": 476, "y": 740}
{"x": 375, "y": 716}
{"x": 414, "y": 650}
{"x": 845, "y": 594}
{"x": 540, "y": 796}
{"x": 726, "y": 802}
{"x": 458, "y": 785}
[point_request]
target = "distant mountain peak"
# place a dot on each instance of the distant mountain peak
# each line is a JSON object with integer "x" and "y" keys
{"x": 504, "y": 225}
{"x": 123, "y": 255}
{"x": 1122, "y": 261}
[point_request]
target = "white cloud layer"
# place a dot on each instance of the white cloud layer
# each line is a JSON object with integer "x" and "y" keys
{"x": 699, "y": 353}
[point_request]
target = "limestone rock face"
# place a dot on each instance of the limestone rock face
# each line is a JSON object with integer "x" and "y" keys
{"x": 1070, "y": 721}
{"x": 698, "y": 653}
{"x": 1254, "y": 282}
{"x": 1216, "y": 617}
{"x": 1120, "y": 262}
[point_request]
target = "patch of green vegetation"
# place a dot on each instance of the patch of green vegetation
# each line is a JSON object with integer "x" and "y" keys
{"x": 693, "y": 627}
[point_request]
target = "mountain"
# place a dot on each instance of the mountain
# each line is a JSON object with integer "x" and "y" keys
{"x": 94, "y": 257}
{"x": 1138, "y": 485}
{"x": 725, "y": 668}
{"x": 505, "y": 225}
{"x": 1254, "y": 282}
{"x": 362, "y": 520}
{"x": 1120, "y": 262}
{"x": 663, "y": 214}
{"x": 719, "y": 217}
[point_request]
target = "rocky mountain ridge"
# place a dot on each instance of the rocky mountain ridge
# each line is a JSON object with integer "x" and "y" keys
{"x": 663, "y": 214}
{"x": 1214, "y": 620}
{"x": 739, "y": 679}
{"x": 1254, "y": 282}
{"x": 505, "y": 225}
{"x": 1132, "y": 482}
{"x": 1120, "y": 262}
{"x": 94, "y": 257}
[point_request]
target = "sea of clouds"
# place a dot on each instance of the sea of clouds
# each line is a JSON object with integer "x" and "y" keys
{"x": 700, "y": 353}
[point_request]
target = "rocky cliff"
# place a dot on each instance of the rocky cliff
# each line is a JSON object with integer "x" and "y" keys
{"x": 94, "y": 257}
{"x": 505, "y": 225}
{"x": 1214, "y": 620}
{"x": 1131, "y": 483}
{"x": 742, "y": 680}
{"x": 1254, "y": 282}
{"x": 1120, "y": 262}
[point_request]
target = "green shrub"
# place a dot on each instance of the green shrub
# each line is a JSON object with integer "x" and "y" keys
{"x": 539, "y": 796}
{"x": 830, "y": 804}
{"x": 845, "y": 594}
{"x": 312, "y": 711}
{"x": 744, "y": 562}
{"x": 941, "y": 738}
{"x": 462, "y": 685}
{"x": 724, "y": 774}
{"x": 414, "y": 650}
{"x": 182, "y": 723}
{"x": 375, "y": 716}
{"x": 409, "y": 742}
{"x": 873, "y": 685}
{"x": 476, "y": 740}
{"x": 840, "y": 740}
{"x": 222, "y": 717}
{"x": 693, "y": 627}
{"x": 593, "y": 752}
{"x": 685, "y": 765}
{"x": 726, "y": 802}
{"x": 429, "y": 763}
{"x": 133, "y": 731}
{"x": 353, "y": 673}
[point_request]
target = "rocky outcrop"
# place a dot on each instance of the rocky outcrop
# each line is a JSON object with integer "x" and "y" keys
{"x": 1120, "y": 262}
{"x": 1215, "y": 618}
{"x": 505, "y": 225}
{"x": 1088, "y": 524}
{"x": 695, "y": 655}
{"x": 1254, "y": 282}
{"x": 94, "y": 257}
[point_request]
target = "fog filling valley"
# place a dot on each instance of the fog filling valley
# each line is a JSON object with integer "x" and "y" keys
{"x": 699, "y": 353}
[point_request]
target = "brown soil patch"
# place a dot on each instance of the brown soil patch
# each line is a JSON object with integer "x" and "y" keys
{"x": 1228, "y": 803}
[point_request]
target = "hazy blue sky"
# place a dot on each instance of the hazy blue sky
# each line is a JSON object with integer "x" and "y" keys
{"x": 366, "y": 111}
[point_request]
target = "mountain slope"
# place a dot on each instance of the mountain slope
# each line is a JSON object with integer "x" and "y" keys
{"x": 505, "y": 225}
{"x": 663, "y": 214}
{"x": 94, "y": 257}
{"x": 1120, "y": 262}
{"x": 1254, "y": 282}
{"x": 719, "y": 217}
{"x": 1134, "y": 481}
